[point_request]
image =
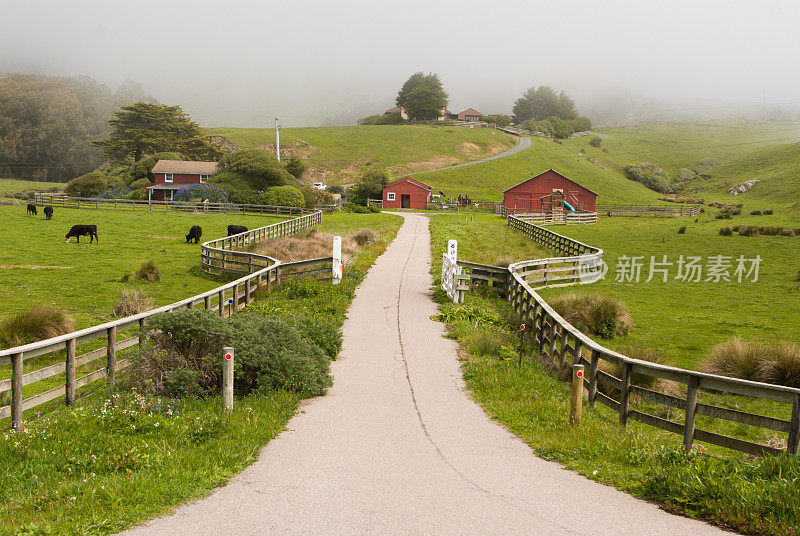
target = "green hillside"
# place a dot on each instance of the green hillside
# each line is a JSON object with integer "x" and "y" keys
{"x": 488, "y": 180}
{"x": 337, "y": 154}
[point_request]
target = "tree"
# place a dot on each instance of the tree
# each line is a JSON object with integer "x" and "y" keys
{"x": 296, "y": 167}
{"x": 501, "y": 120}
{"x": 369, "y": 186}
{"x": 422, "y": 96}
{"x": 143, "y": 129}
{"x": 538, "y": 104}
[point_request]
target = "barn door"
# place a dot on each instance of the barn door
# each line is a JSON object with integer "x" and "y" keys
{"x": 405, "y": 201}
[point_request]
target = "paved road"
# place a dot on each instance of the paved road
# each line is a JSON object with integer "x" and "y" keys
{"x": 524, "y": 143}
{"x": 397, "y": 447}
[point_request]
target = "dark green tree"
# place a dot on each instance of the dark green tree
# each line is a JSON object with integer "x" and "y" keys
{"x": 537, "y": 104}
{"x": 369, "y": 186}
{"x": 143, "y": 129}
{"x": 422, "y": 96}
{"x": 296, "y": 166}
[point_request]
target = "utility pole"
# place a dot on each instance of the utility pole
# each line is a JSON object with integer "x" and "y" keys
{"x": 277, "y": 139}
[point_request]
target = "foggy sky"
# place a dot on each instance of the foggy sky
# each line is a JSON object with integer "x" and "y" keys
{"x": 239, "y": 63}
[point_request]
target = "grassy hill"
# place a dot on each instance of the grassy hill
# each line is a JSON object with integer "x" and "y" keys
{"x": 12, "y": 186}
{"x": 337, "y": 154}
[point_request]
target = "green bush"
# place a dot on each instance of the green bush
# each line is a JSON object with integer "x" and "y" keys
{"x": 324, "y": 331}
{"x": 382, "y": 119}
{"x": 682, "y": 229}
{"x": 238, "y": 186}
{"x": 284, "y": 196}
{"x": 259, "y": 165}
{"x": 596, "y": 141}
{"x": 755, "y": 213}
{"x": 768, "y": 212}
{"x": 651, "y": 176}
{"x": 368, "y": 186}
{"x": 725, "y": 231}
{"x": 580, "y": 124}
{"x": 336, "y": 189}
{"x": 296, "y": 167}
{"x": 88, "y": 185}
{"x": 357, "y": 209}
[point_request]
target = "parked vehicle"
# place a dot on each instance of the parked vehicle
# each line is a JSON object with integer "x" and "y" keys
{"x": 319, "y": 186}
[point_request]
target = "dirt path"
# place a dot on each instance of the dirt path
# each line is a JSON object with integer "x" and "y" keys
{"x": 397, "y": 447}
{"x": 524, "y": 143}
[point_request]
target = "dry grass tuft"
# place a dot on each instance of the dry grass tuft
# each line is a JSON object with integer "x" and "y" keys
{"x": 313, "y": 245}
{"x": 365, "y": 236}
{"x": 770, "y": 362}
{"x": 148, "y": 271}
{"x": 40, "y": 322}
{"x": 503, "y": 261}
{"x": 131, "y": 302}
{"x": 595, "y": 314}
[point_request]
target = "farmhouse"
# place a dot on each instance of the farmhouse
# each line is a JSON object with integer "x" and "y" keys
{"x": 397, "y": 110}
{"x": 406, "y": 193}
{"x": 469, "y": 114}
{"x": 546, "y": 192}
{"x": 172, "y": 175}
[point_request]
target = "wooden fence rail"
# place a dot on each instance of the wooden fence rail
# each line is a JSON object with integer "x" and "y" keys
{"x": 217, "y": 257}
{"x": 560, "y": 340}
{"x": 670, "y": 210}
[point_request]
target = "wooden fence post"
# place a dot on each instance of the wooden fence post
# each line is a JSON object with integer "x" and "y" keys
{"x": 142, "y": 333}
{"x": 70, "y": 387}
{"x": 247, "y": 292}
{"x": 221, "y": 295}
{"x": 111, "y": 352}
{"x": 16, "y": 391}
{"x": 794, "y": 428}
{"x": 235, "y": 302}
{"x": 624, "y": 391}
{"x": 593, "y": 376}
{"x": 206, "y": 302}
{"x": 691, "y": 407}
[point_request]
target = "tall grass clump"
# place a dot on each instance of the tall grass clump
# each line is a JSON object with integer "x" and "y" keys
{"x": 682, "y": 229}
{"x": 770, "y": 362}
{"x": 594, "y": 314}
{"x": 148, "y": 271}
{"x": 40, "y": 322}
{"x": 131, "y": 302}
{"x": 725, "y": 231}
{"x": 365, "y": 236}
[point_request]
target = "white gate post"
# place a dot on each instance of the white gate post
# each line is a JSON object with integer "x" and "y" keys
{"x": 452, "y": 249}
{"x": 337, "y": 270}
{"x": 227, "y": 379}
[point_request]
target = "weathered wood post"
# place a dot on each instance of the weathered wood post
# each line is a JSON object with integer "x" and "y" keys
{"x": 221, "y": 295}
{"x": 247, "y": 292}
{"x": 70, "y": 386}
{"x": 576, "y": 403}
{"x": 794, "y": 428}
{"x": 142, "y": 333}
{"x": 624, "y": 391}
{"x": 227, "y": 379}
{"x": 16, "y": 391}
{"x": 521, "y": 343}
{"x": 593, "y": 376}
{"x": 111, "y": 353}
{"x": 691, "y": 407}
{"x": 207, "y": 302}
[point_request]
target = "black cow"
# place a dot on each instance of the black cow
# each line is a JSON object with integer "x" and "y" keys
{"x": 31, "y": 210}
{"x": 194, "y": 234}
{"x": 236, "y": 229}
{"x": 82, "y": 230}
{"x": 48, "y": 212}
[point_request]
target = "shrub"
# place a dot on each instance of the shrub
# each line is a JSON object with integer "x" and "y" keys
{"x": 373, "y": 209}
{"x": 131, "y": 302}
{"x": 88, "y": 185}
{"x": 369, "y": 186}
{"x": 748, "y": 230}
{"x": 259, "y": 165}
{"x": 768, "y": 212}
{"x": 725, "y": 231}
{"x": 580, "y": 124}
{"x": 797, "y": 275}
{"x": 365, "y": 236}
{"x": 651, "y": 176}
{"x": 40, "y": 322}
{"x": 296, "y": 167}
{"x": 723, "y": 216}
{"x": 595, "y": 314}
{"x": 284, "y": 196}
{"x": 148, "y": 271}
{"x": 755, "y": 213}
{"x": 596, "y": 141}
{"x": 771, "y": 362}
{"x": 682, "y": 229}
{"x": 336, "y": 189}
{"x": 357, "y": 209}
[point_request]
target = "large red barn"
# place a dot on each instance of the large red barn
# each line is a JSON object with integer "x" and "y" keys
{"x": 172, "y": 175}
{"x": 538, "y": 193}
{"x": 406, "y": 193}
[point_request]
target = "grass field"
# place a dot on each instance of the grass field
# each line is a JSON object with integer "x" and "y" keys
{"x": 337, "y": 154}
{"x": 12, "y": 186}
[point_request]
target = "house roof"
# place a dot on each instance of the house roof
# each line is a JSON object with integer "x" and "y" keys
{"x": 415, "y": 182}
{"x": 557, "y": 173}
{"x": 162, "y": 186}
{"x": 395, "y": 110}
{"x": 470, "y": 111}
{"x": 188, "y": 167}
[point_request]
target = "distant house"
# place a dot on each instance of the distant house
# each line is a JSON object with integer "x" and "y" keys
{"x": 406, "y": 193}
{"x": 397, "y": 110}
{"x": 469, "y": 114}
{"x": 547, "y": 191}
{"x": 172, "y": 175}
{"x": 446, "y": 115}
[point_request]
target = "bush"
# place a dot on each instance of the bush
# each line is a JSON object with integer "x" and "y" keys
{"x": 725, "y": 231}
{"x": 284, "y": 196}
{"x": 336, "y": 189}
{"x": 382, "y": 119}
{"x": 369, "y": 186}
{"x": 259, "y": 165}
{"x": 755, "y": 213}
{"x": 131, "y": 302}
{"x": 651, "y": 176}
{"x": 357, "y": 209}
{"x": 148, "y": 271}
{"x": 594, "y": 314}
{"x": 682, "y": 229}
{"x": 581, "y": 124}
{"x": 768, "y": 212}
{"x": 88, "y": 185}
{"x": 596, "y": 141}
{"x": 40, "y": 322}
{"x": 365, "y": 236}
{"x": 296, "y": 167}
{"x": 238, "y": 186}
{"x": 771, "y": 362}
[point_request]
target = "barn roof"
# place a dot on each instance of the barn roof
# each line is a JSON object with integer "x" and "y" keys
{"x": 557, "y": 173}
{"x": 415, "y": 182}
{"x": 189, "y": 167}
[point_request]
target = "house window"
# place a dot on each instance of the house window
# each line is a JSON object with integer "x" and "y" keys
{"x": 167, "y": 177}
{"x": 390, "y": 196}
{"x": 203, "y": 178}
{"x": 168, "y": 195}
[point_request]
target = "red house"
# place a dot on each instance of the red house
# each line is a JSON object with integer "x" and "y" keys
{"x": 406, "y": 193}
{"x": 546, "y": 191}
{"x": 172, "y": 175}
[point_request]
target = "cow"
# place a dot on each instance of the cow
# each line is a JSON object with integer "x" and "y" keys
{"x": 31, "y": 210}
{"x": 82, "y": 230}
{"x": 48, "y": 212}
{"x": 194, "y": 234}
{"x": 236, "y": 229}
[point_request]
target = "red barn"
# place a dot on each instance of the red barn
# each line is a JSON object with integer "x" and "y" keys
{"x": 172, "y": 175}
{"x": 544, "y": 191}
{"x": 406, "y": 193}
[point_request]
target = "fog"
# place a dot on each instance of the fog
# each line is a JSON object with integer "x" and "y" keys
{"x": 319, "y": 62}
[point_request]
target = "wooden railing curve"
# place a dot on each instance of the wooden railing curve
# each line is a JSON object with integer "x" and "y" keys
{"x": 559, "y": 339}
{"x": 255, "y": 271}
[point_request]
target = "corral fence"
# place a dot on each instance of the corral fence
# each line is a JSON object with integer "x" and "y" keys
{"x": 559, "y": 340}
{"x": 472, "y": 206}
{"x": 579, "y": 216}
{"x": 671, "y": 210}
{"x": 118, "y": 335}
{"x": 55, "y": 200}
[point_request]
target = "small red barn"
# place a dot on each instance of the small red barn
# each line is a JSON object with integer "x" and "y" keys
{"x": 406, "y": 193}
{"x": 539, "y": 193}
{"x": 172, "y": 175}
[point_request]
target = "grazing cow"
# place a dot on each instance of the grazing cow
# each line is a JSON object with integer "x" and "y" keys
{"x": 194, "y": 234}
{"x": 48, "y": 212}
{"x": 236, "y": 229}
{"x": 82, "y": 230}
{"x": 31, "y": 210}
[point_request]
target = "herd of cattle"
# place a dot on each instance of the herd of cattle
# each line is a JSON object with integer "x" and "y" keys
{"x": 91, "y": 230}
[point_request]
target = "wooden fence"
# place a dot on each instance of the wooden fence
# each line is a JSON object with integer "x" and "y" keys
{"x": 670, "y": 210}
{"x": 558, "y": 339}
{"x": 580, "y": 216}
{"x": 131, "y": 331}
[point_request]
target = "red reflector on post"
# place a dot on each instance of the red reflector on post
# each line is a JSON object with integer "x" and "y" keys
{"x": 228, "y": 356}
